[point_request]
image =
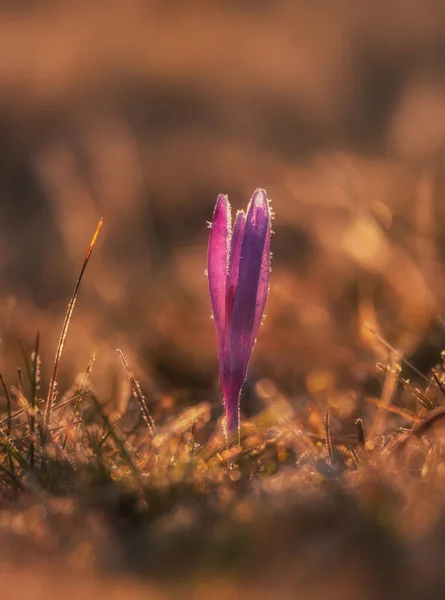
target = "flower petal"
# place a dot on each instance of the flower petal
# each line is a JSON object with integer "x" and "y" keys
{"x": 231, "y": 393}
{"x": 218, "y": 255}
{"x": 247, "y": 311}
{"x": 263, "y": 287}
{"x": 234, "y": 259}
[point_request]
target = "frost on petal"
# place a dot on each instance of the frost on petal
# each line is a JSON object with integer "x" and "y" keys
{"x": 246, "y": 316}
{"x": 218, "y": 254}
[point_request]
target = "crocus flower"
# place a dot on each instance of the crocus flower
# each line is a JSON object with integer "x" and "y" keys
{"x": 238, "y": 270}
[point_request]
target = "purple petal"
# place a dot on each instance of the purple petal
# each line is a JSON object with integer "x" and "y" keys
{"x": 231, "y": 394}
{"x": 252, "y": 287}
{"x": 232, "y": 414}
{"x": 218, "y": 254}
{"x": 234, "y": 259}
{"x": 263, "y": 287}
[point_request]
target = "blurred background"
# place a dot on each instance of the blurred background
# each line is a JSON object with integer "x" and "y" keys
{"x": 142, "y": 111}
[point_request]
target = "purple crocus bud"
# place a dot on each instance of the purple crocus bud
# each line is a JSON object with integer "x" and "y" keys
{"x": 238, "y": 269}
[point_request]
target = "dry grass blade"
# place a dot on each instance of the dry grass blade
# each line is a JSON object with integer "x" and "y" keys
{"x": 109, "y": 429}
{"x": 26, "y": 361}
{"x": 23, "y": 401}
{"x": 396, "y": 353}
{"x": 138, "y": 394}
{"x": 361, "y": 436}
{"x": 13, "y": 477}
{"x": 428, "y": 421}
{"x": 19, "y": 413}
{"x": 80, "y": 396}
{"x": 183, "y": 422}
{"x": 34, "y": 386}
{"x": 80, "y": 392}
{"x": 35, "y": 371}
{"x": 438, "y": 382}
{"x": 7, "y": 421}
{"x": 69, "y": 313}
{"x": 20, "y": 381}
{"x": 14, "y": 452}
{"x": 13, "y": 416}
{"x": 327, "y": 431}
{"x": 388, "y": 392}
{"x": 421, "y": 398}
{"x": 393, "y": 409}
{"x": 83, "y": 386}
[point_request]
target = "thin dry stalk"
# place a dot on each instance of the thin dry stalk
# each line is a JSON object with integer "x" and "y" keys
{"x": 34, "y": 386}
{"x": 361, "y": 436}
{"x": 438, "y": 382}
{"x": 20, "y": 381}
{"x": 389, "y": 389}
{"x": 394, "y": 409}
{"x": 327, "y": 431}
{"x": 396, "y": 353}
{"x": 80, "y": 392}
{"x": 421, "y": 398}
{"x": 429, "y": 421}
{"x": 138, "y": 394}
{"x": 20, "y": 412}
{"x": 109, "y": 429}
{"x": 7, "y": 421}
{"x": 26, "y": 361}
{"x": 13, "y": 451}
{"x": 35, "y": 371}
{"x": 69, "y": 314}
